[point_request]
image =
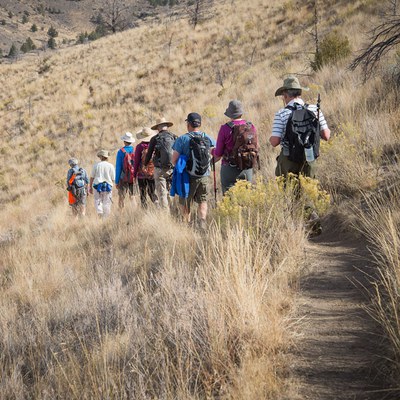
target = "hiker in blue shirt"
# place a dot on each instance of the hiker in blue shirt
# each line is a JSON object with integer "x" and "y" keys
{"x": 195, "y": 145}
{"x": 124, "y": 180}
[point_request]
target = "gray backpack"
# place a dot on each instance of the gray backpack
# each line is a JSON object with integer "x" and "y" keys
{"x": 163, "y": 149}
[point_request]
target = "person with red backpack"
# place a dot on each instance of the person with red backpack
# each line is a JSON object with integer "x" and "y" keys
{"x": 124, "y": 165}
{"x": 237, "y": 145}
{"x": 144, "y": 172}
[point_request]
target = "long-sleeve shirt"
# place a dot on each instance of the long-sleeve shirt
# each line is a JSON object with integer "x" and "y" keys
{"x": 138, "y": 159}
{"x": 103, "y": 171}
{"x": 225, "y": 141}
{"x": 120, "y": 162}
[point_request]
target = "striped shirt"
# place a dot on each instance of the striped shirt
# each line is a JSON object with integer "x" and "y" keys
{"x": 282, "y": 116}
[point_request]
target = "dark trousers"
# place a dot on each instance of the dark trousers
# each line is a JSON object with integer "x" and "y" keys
{"x": 147, "y": 187}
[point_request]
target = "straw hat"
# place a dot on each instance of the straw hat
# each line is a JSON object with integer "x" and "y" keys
{"x": 161, "y": 121}
{"x": 291, "y": 82}
{"x": 145, "y": 133}
{"x": 103, "y": 153}
{"x": 128, "y": 137}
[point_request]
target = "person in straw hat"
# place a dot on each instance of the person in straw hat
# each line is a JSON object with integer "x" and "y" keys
{"x": 230, "y": 171}
{"x": 144, "y": 173}
{"x": 102, "y": 179}
{"x": 124, "y": 169}
{"x": 160, "y": 152}
{"x": 291, "y": 92}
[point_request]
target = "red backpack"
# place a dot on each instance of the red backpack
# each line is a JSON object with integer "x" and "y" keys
{"x": 127, "y": 167}
{"x": 244, "y": 154}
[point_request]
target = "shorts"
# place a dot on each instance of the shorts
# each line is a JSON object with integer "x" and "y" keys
{"x": 124, "y": 188}
{"x": 197, "y": 190}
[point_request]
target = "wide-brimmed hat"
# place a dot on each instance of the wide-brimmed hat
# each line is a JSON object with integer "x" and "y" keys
{"x": 234, "y": 110}
{"x": 103, "y": 153}
{"x": 145, "y": 133}
{"x": 128, "y": 137}
{"x": 291, "y": 82}
{"x": 73, "y": 161}
{"x": 161, "y": 121}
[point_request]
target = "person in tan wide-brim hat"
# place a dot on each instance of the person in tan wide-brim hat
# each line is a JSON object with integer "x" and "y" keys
{"x": 161, "y": 122}
{"x": 144, "y": 173}
{"x": 102, "y": 180}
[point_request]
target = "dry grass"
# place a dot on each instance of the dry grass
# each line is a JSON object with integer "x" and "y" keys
{"x": 139, "y": 306}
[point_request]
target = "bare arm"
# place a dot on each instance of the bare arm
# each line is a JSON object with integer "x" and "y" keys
{"x": 91, "y": 185}
{"x": 275, "y": 141}
{"x": 175, "y": 156}
{"x": 325, "y": 134}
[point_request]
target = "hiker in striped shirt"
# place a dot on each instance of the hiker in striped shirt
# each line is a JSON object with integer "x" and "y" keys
{"x": 291, "y": 94}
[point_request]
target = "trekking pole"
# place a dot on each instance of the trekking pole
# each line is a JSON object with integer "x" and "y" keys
{"x": 318, "y": 109}
{"x": 215, "y": 180}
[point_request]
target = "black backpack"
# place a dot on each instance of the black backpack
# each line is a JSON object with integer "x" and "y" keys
{"x": 198, "y": 162}
{"x": 163, "y": 149}
{"x": 302, "y": 132}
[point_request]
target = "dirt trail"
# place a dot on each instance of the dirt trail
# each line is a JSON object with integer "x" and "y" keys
{"x": 338, "y": 351}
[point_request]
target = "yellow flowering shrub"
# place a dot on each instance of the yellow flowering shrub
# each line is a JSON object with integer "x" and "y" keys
{"x": 277, "y": 199}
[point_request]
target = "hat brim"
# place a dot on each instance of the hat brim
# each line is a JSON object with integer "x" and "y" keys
{"x": 140, "y": 136}
{"x": 280, "y": 91}
{"x": 128, "y": 140}
{"x": 155, "y": 127}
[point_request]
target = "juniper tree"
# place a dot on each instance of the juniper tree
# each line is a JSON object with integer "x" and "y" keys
{"x": 114, "y": 14}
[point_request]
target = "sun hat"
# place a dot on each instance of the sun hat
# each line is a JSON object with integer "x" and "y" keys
{"x": 103, "y": 153}
{"x": 234, "y": 110}
{"x": 194, "y": 119}
{"x": 161, "y": 121}
{"x": 73, "y": 161}
{"x": 145, "y": 133}
{"x": 291, "y": 82}
{"x": 128, "y": 137}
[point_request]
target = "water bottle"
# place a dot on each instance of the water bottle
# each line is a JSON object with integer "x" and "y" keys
{"x": 309, "y": 152}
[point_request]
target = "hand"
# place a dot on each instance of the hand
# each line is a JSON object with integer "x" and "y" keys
{"x": 90, "y": 190}
{"x": 116, "y": 185}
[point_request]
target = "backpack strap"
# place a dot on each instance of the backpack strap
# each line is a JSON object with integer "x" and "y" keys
{"x": 71, "y": 180}
{"x": 123, "y": 150}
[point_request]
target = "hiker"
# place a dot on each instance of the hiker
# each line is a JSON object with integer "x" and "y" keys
{"x": 298, "y": 128}
{"x": 102, "y": 180}
{"x": 77, "y": 181}
{"x": 124, "y": 169}
{"x": 194, "y": 148}
{"x": 160, "y": 151}
{"x": 292, "y": 158}
{"x": 144, "y": 173}
{"x": 237, "y": 145}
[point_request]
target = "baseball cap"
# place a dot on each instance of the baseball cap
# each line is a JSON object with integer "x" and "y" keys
{"x": 194, "y": 119}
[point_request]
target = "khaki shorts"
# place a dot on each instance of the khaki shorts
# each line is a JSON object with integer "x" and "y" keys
{"x": 197, "y": 192}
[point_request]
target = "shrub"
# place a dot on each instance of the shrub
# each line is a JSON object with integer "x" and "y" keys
{"x": 13, "y": 51}
{"x": 333, "y": 48}
{"x": 52, "y": 32}
{"x": 34, "y": 28}
{"x": 25, "y": 19}
{"x": 52, "y": 43}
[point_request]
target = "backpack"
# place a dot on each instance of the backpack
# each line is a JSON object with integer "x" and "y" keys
{"x": 77, "y": 184}
{"x": 302, "y": 132}
{"x": 127, "y": 166}
{"x": 244, "y": 154}
{"x": 198, "y": 162}
{"x": 163, "y": 149}
{"x": 146, "y": 171}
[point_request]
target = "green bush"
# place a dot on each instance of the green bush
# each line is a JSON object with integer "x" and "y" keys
{"x": 333, "y": 48}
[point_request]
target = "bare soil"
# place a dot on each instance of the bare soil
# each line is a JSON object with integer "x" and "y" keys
{"x": 339, "y": 351}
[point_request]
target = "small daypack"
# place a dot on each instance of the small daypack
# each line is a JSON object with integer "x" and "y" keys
{"x": 127, "y": 167}
{"x": 198, "y": 162}
{"x": 163, "y": 149}
{"x": 147, "y": 171}
{"x": 77, "y": 184}
{"x": 302, "y": 132}
{"x": 244, "y": 154}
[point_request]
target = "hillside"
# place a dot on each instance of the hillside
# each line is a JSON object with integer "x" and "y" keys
{"x": 69, "y": 17}
{"x": 141, "y": 306}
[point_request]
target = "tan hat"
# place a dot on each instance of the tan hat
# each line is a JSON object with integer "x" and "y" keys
{"x": 161, "y": 121}
{"x": 145, "y": 133}
{"x": 103, "y": 153}
{"x": 128, "y": 137}
{"x": 291, "y": 82}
